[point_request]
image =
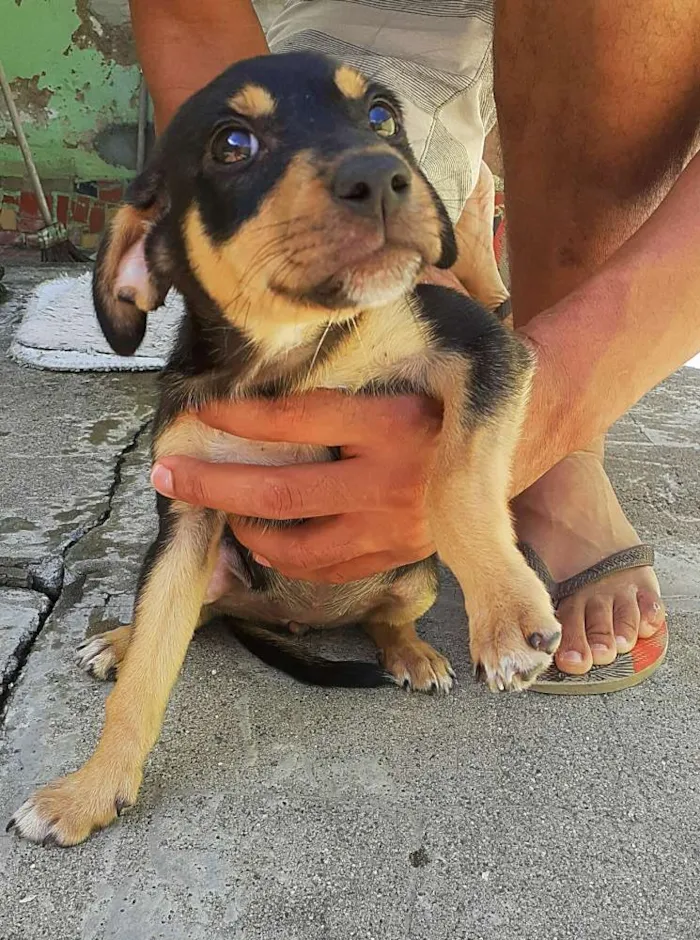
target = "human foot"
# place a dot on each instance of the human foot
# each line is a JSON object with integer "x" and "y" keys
{"x": 572, "y": 519}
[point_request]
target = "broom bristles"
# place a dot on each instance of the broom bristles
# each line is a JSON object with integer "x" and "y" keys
{"x": 64, "y": 251}
{"x": 57, "y": 247}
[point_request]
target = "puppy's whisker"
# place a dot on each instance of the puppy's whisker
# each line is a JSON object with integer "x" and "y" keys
{"x": 320, "y": 344}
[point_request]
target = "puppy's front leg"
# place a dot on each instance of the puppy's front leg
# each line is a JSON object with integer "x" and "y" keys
{"x": 170, "y": 596}
{"x": 512, "y": 628}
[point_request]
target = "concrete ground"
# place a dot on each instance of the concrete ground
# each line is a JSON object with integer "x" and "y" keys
{"x": 272, "y": 811}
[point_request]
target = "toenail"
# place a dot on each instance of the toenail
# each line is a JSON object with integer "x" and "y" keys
{"x": 572, "y": 656}
{"x": 621, "y": 642}
{"x": 600, "y": 647}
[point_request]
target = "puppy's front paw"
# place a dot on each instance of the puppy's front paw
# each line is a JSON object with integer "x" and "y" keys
{"x": 516, "y": 642}
{"x": 71, "y": 808}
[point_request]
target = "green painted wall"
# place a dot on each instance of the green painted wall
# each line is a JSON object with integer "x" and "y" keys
{"x": 71, "y": 66}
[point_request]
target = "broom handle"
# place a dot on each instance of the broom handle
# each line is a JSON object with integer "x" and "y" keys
{"x": 24, "y": 147}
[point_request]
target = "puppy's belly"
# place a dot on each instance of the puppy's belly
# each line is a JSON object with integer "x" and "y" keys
{"x": 315, "y": 606}
{"x": 229, "y": 589}
{"x": 284, "y": 600}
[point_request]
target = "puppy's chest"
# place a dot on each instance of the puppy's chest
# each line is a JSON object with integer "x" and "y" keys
{"x": 384, "y": 347}
{"x": 381, "y": 347}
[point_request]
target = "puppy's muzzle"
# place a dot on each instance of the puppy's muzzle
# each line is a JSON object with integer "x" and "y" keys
{"x": 373, "y": 185}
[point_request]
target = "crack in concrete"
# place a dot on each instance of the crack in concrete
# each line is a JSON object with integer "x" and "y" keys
{"x": 48, "y": 578}
{"x": 640, "y": 427}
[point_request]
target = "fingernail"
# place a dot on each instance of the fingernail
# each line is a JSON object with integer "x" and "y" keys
{"x": 572, "y": 656}
{"x": 262, "y": 561}
{"x": 621, "y": 642}
{"x": 162, "y": 480}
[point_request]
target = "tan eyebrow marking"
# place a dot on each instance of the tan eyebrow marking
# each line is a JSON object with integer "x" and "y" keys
{"x": 350, "y": 82}
{"x": 252, "y": 101}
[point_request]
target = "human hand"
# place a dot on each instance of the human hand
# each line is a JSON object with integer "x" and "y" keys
{"x": 365, "y": 513}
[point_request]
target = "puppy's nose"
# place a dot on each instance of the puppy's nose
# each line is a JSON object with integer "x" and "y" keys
{"x": 372, "y": 184}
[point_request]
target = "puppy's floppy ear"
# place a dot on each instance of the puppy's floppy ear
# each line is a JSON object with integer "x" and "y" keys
{"x": 131, "y": 275}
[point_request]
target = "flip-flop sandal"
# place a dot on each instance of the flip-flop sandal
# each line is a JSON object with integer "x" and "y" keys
{"x": 627, "y": 669}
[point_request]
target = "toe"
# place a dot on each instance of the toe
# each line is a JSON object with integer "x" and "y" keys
{"x": 652, "y": 613}
{"x": 574, "y": 654}
{"x": 599, "y": 630}
{"x": 625, "y": 620}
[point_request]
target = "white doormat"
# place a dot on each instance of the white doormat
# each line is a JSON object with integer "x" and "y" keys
{"x": 60, "y": 331}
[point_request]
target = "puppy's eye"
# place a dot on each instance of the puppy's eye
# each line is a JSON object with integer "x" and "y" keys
{"x": 235, "y": 145}
{"x": 383, "y": 119}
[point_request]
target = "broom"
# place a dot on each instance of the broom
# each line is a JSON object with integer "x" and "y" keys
{"x": 53, "y": 239}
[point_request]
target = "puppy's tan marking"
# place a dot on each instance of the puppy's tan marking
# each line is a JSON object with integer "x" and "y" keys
{"x": 350, "y": 82}
{"x": 252, "y": 101}
{"x": 166, "y": 616}
{"x": 252, "y": 271}
{"x": 128, "y": 226}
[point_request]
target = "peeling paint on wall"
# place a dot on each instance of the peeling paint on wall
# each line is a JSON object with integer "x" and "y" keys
{"x": 72, "y": 66}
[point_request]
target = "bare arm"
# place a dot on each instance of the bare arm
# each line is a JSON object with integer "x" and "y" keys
{"x": 183, "y": 44}
{"x": 634, "y": 322}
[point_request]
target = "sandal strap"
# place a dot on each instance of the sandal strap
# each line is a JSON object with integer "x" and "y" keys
{"x": 637, "y": 556}
{"x": 540, "y": 568}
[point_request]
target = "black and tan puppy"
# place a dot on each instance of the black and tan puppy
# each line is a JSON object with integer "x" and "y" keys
{"x": 285, "y": 205}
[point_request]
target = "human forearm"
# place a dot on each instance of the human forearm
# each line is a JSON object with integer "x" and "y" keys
{"x": 182, "y": 45}
{"x": 623, "y": 331}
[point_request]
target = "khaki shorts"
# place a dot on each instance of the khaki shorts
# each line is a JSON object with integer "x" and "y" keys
{"x": 435, "y": 54}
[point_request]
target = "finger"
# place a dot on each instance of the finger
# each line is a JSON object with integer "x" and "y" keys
{"x": 355, "y": 570}
{"x": 443, "y": 278}
{"x": 301, "y": 491}
{"x": 324, "y": 417}
{"x": 321, "y": 543}
{"x": 330, "y": 543}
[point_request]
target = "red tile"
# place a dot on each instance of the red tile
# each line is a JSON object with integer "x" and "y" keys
{"x": 79, "y": 209}
{"x": 111, "y": 193}
{"x": 97, "y": 219}
{"x": 62, "y": 206}
{"x": 28, "y": 205}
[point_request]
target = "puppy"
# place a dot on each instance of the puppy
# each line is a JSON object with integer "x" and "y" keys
{"x": 283, "y": 202}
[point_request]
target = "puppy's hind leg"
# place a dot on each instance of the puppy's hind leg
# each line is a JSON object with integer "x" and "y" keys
{"x": 169, "y": 599}
{"x": 412, "y": 662}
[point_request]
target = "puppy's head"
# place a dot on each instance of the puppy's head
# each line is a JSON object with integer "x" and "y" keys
{"x": 285, "y": 192}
